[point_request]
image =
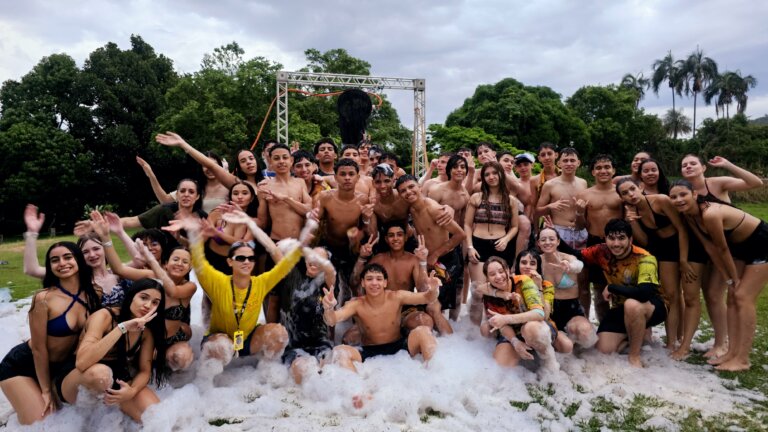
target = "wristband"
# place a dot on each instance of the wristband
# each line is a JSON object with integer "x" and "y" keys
{"x": 470, "y": 248}
{"x": 423, "y": 263}
{"x": 107, "y": 244}
{"x": 122, "y": 328}
{"x": 31, "y": 235}
{"x": 729, "y": 282}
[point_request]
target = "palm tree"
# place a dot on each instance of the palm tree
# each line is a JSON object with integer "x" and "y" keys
{"x": 726, "y": 88}
{"x": 638, "y": 83}
{"x": 699, "y": 72}
{"x": 667, "y": 69}
{"x": 674, "y": 122}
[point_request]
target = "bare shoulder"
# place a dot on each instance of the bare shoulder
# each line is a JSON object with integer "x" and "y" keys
{"x": 475, "y": 198}
{"x": 361, "y": 198}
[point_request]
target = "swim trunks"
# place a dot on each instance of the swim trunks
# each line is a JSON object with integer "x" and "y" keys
{"x": 564, "y": 310}
{"x": 368, "y": 351}
{"x": 613, "y": 321}
{"x": 575, "y": 238}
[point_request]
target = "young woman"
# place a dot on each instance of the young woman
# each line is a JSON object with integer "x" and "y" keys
{"x": 176, "y": 286}
{"x": 490, "y": 224}
{"x": 657, "y": 227}
{"x": 32, "y": 370}
{"x": 716, "y": 189}
{"x": 563, "y": 269}
{"x": 117, "y": 357}
{"x": 736, "y": 242}
{"x": 220, "y": 234}
{"x": 653, "y": 178}
{"x": 634, "y": 167}
{"x": 516, "y": 317}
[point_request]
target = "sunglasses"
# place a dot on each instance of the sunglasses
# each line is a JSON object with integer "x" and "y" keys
{"x": 244, "y": 258}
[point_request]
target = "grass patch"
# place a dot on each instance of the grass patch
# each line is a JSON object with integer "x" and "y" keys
{"x": 431, "y": 412}
{"x": 221, "y": 421}
{"x": 522, "y": 406}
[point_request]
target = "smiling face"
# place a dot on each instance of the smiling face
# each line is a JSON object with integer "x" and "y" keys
{"x": 630, "y": 193}
{"x": 649, "y": 173}
{"x": 241, "y": 195}
{"x": 145, "y": 301}
{"x": 303, "y": 169}
{"x": 528, "y": 264}
{"x": 395, "y": 238}
{"x": 507, "y": 162}
{"x": 187, "y": 194}
{"x": 247, "y": 162}
{"x": 603, "y": 171}
{"x": 280, "y": 161}
{"x": 179, "y": 264}
{"x": 459, "y": 171}
{"x": 683, "y": 199}
{"x": 523, "y": 168}
{"x": 93, "y": 252}
{"x": 383, "y": 185}
{"x": 568, "y": 163}
{"x": 313, "y": 269}
{"x": 374, "y": 283}
{"x": 619, "y": 244}
{"x": 497, "y": 275}
{"x": 548, "y": 240}
{"x": 63, "y": 262}
{"x": 637, "y": 160}
{"x": 409, "y": 191}
{"x": 242, "y": 261}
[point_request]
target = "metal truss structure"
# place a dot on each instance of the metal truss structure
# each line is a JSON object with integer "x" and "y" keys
{"x": 370, "y": 83}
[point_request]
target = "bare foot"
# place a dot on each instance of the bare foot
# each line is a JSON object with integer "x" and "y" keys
{"x": 716, "y": 351}
{"x": 681, "y": 353}
{"x": 634, "y": 361}
{"x": 733, "y": 366}
{"x": 358, "y": 401}
{"x": 720, "y": 360}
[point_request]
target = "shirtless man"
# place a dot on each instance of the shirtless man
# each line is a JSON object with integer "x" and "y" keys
{"x": 547, "y": 157}
{"x": 284, "y": 199}
{"x": 392, "y": 161}
{"x": 407, "y": 270}
{"x": 365, "y": 160}
{"x": 304, "y": 167}
{"x": 365, "y": 184}
{"x": 558, "y": 200}
{"x": 453, "y": 192}
{"x": 343, "y": 212}
{"x": 325, "y": 153}
{"x": 378, "y": 315}
{"x": 427, "y": 182}
{"x": 441, "y": 241}
{"x": 595, "y": 207}
{"x": 523, "y": 164}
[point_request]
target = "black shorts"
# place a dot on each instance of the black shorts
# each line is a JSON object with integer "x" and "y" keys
{"x": 753, "y": 250}
{"x": 21, "y": 362}
{"x": 120, "y": 371}
{"x": 596, "y": 275}
{"x": 696, "y": 251}
{"x": 368, "y": 351}
{"x": 665, "y": 249}
{"x": 613, "y": 321}
{"x": 564, "y": 310}
{"x": 486, "y": 249}
{"x": 320, "y": 352}
{"x": 450, "y": 271}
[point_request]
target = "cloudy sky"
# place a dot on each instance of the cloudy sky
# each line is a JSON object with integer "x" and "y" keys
{"x": 455, "y": 45}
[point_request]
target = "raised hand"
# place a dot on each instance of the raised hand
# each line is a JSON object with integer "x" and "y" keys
{"x": 83, "y": 227}
{"x": 367, "y": 209}
{"x": 329, "y": 301}
{"x": 144, "y": 166}
{"x": 421, "y": 251}
{"x": 236, "y": 217}
{"x": 548, "y": 222}
{"x": 99, "y": 224}
{"x": 630, "y": 213}
{"x": 718, "y": 162}
{"x": 366, "y": 250}
{"x": 187, "y": 223}
{"x": 144, "y": 251}
{"x": 138, "y": 324}
{"x": 33, "y": 219}
{"x": 227, "y": 207}
{"x": 562, "y": 265}
{"x": 170, "y": 139}
{"x": 115, "y": 224}
{"x": 295, "y": 146}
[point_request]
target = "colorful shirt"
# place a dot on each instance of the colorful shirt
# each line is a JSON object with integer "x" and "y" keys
{"x": 218, "y": 287}
{"x": 636, "y": 268}
{"x": 527, "y": 289}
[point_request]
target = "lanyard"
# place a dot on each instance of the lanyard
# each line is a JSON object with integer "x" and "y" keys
{"x": 245, "y": 301}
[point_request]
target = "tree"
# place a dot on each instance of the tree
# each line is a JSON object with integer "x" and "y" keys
{"x": 227, "y": 59}
{"x": 727, "y": 88}
{"x": 675, "y": 121}
{"x": 452, "y": 138}
{"x": 337, "y": 61}
{"x": 637, "y": 83}
{"x": 699, "y": 71}
{"x": 669, "y": 70}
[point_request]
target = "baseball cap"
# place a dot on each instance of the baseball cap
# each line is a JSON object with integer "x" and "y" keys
{"x": 524, "y": 157}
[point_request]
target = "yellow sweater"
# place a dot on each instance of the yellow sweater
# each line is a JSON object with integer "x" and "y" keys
{"x": 217, "y": 286}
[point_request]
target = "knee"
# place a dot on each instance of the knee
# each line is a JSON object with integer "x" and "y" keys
{"x": 563, "y": 344}
{"x": 219, "y": 347}
{"x": 275, "y": 334}
{"x": 345, "y": 354}
{"x": 179, "y": 356}
{"x": 603, "y": 346}
{"x": 632, "y": 308}
{"x": 98, "y": 377}
{"x": 537, "y": 334}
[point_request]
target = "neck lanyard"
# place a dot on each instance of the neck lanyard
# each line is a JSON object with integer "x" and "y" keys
{"x": 245, "y": 300}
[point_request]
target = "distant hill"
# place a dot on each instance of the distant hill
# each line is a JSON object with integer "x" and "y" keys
{"x": 762, "y": 121}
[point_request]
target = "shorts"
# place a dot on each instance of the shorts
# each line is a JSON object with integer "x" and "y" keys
{"x": 21, "y": 362}
{"x": 320, "y": 352}
{"x": 613, "y": 321}
{"x": 596, "y": 275}
{"x": 575, "y": 238}
{"x": 449, "y": 269}
{"x": 120, "y": 371}
{"x": 344, "y": 262}
{"x": 486, "y": 249}
{"x": 245, "y": 352}
{"x": 753, "y": 250}
{"x": 564, "y": 310}
{"x": 665, "y": 249}
{"x": 368, "y": 351}
{"x": 696, "y": 251}
{"x": 552, "y": 332}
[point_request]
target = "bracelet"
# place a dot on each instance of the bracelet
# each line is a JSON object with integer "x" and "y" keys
{"x": 729, "y": 282}
{"x": 107, "y": 244}
{"x": 122, "y": 328}
{"x": 366, "y": 222}
{"x": 423, "y": 263}
{"x": 470, "y": 248}
{"x": 31, "y": 235}
{"x": 495, "y": 292}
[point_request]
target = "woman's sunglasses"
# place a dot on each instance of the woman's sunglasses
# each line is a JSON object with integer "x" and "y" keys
{"x": 244, "y": 258}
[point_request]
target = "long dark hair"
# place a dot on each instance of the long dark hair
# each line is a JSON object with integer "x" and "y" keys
{"x": 239, "y": 172}
{"x": 663, "y": 184}
{"x": 156, "y": 326}
{"x": 486, "y": 190}
{"x": 534, "y": 254}
{"x": 84, "y": 274}
{"x": 253, "y": 206}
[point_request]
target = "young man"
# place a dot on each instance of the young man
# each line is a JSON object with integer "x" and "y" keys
{"x": 365, "y": 184}
{"x": 325, "y": 153}
{"x": 633, "y": 289}
{"x": 594, "y": 208}
{"x": 343, "y": 213}
{"x": 378, "y": 315}
{"x": 441, "y": 241}
{"x": 408, "y": 271}
{"x": 427, "y": 182}
{"x": 558, "y": 200}
{"x": 268, "y": 171}
{"x": 393, "y": 162}
{"x": 547, "y": 157}
{"x": 453, "y": 192}
{"x": 304, "y": 167}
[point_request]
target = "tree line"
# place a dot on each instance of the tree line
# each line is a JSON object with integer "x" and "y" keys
{"x": 69, "y": 135}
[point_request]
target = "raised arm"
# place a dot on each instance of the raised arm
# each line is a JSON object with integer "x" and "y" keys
{"x": 331, "y": 316}
{"x": 101, "y": 227}
{"x": 34, "y": 222}
{"x": 98, "y": 341}
{"x": 424, "y": 297}
{"x": 116, "y": 227}
{"x": 742, "y": 179}
{"x": 171, "y": 139}
{"x": 160, "y": 193}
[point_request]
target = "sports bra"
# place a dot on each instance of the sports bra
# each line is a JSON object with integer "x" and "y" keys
{"x": 566, "y": 282}
{"x": 59, "y": 327}
{"x": 491, "y": 213}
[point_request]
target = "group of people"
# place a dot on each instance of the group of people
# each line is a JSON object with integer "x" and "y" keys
{"x": 312, "y": 239}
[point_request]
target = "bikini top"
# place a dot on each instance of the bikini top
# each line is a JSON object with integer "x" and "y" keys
{"x": 130, "y": 352}
{"x": 491, "y": 213}
{"x": 710, "y": 197}
{"x": 661, "y": 220}
{"x": 59, "y": 327}
{"x": 566, "y": 282}
{"x": 728, "y": 232}
{"x": 179, "y": 312}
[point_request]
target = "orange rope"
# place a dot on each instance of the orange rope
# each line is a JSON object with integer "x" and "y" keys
{"x": 305, "y": 93}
